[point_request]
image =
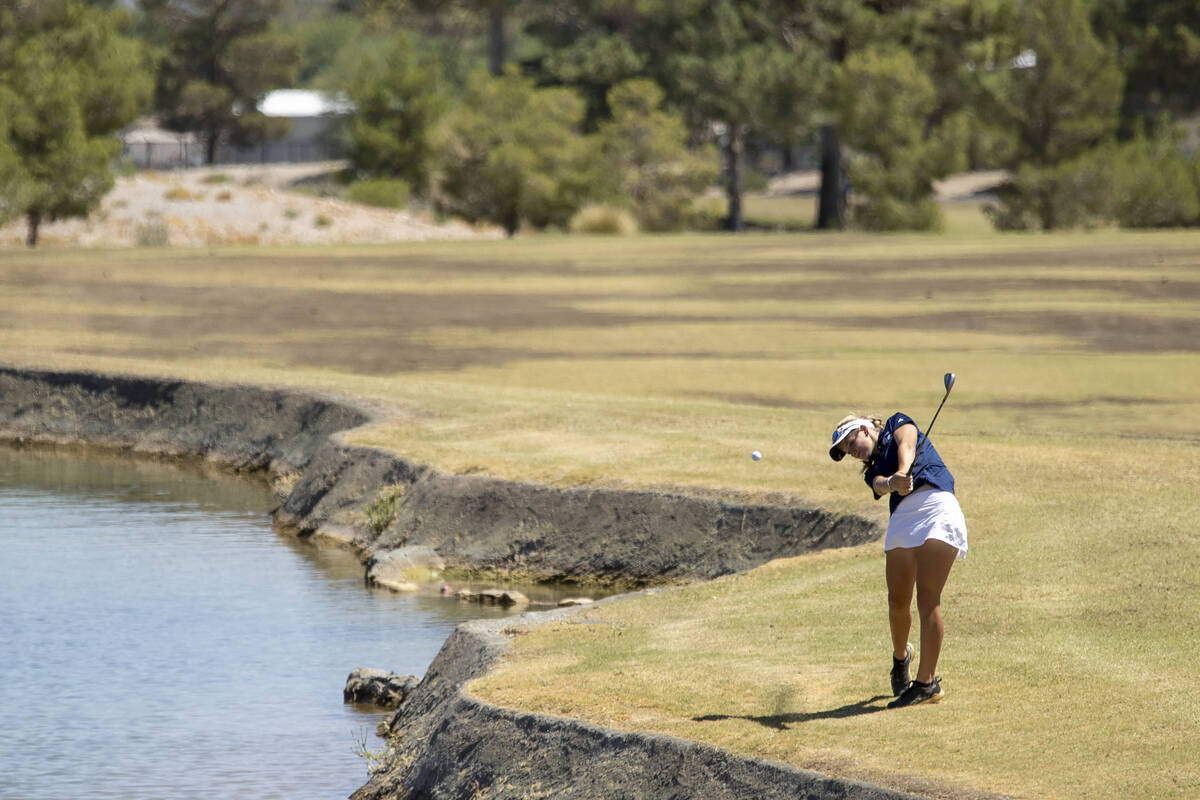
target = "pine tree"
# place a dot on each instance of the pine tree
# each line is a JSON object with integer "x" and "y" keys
{"x": 397, "y": 103}
{"x": 1056, "y": 104}
{"x": 514, "y": 154}
{"x": 1158, "y": 44}
{"x": 221, "y": 58}
{"x": 69, "y": 80}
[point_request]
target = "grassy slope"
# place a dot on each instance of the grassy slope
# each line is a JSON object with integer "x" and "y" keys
{"x": 1070, "y": 663}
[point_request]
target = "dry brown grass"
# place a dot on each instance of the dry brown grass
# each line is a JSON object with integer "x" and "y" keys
{"x": 1074, "y": 432}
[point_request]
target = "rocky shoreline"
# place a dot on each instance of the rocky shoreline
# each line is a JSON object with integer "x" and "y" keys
{"x": 472, "y": 523}
{"x": 447, "y": 744}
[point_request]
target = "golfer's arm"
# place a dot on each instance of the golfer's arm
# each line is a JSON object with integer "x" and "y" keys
{"x": 906, "y": 443}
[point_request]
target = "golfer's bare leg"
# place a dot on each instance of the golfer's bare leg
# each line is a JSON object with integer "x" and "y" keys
{"x": 933, "y": 562}
{"x": 901, "y": 571}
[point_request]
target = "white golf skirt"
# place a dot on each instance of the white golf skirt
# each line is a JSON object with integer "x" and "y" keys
{"x": 927, "y": 513}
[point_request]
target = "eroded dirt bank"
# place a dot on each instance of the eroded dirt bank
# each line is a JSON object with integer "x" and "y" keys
{"x": 473, "y": 522}
{"x": 450, "y": 744}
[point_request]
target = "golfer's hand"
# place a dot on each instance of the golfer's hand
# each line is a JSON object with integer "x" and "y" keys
{"x": 901, "y": 484}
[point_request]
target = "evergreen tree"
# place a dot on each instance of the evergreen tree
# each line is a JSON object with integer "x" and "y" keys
{"x": 1054, "y": 109}
{"x": 647, "y": 158}
{"x": 69, "y": 80}
{"x": 1158, "y": 44}
{"x": 513, "y": 154}
{"x": 943, "y": 39}
{"x": 397, "y": 102}
{"x": 733, "y": 66}
{"x": 221, "y": 58}
{"x": 887, "y": 105}
{"x": 732, "y": 69}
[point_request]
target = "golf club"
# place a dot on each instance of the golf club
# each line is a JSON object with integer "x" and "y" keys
{"x": 949, "y": 381}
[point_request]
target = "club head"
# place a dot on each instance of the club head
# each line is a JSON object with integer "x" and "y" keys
{"x": 949, "y": 381}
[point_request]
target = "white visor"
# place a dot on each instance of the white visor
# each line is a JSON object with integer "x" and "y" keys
{"x": 844, "y": 430}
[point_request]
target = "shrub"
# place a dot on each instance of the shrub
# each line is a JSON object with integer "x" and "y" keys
{"x": 154, "y": 232}
{"x": 217, "y": 177}
{"x": 380, "y": 192}
{"x": 399, "y": 98}
{"x": 754, "y": 181}
{"x": 1154, "y": 184}
{"x": 381, "y": 512}
{"x": 884, "y": 212}
{"x": 514, "y": 154}
{"x": 887, "y": 104}
{"x": 322, "y": 221}
{"x": 178, "y": 192}
{"x": 649, "y": 164}
{"x": 1072, "y": 194}
{"x": 604, "y": 219}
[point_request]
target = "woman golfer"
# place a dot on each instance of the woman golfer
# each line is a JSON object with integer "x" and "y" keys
{"x": 926, "y": 532}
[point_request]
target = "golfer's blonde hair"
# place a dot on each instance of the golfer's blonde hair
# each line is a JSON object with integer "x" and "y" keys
{"x": 876, "y": 421}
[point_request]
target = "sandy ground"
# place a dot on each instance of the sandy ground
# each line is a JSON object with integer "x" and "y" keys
{"x": 250, "y": 205}
{"x": 955, "y": 188}
{"x": 259, "y": 204}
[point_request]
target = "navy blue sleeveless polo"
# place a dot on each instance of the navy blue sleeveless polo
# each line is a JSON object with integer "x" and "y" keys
{"x": 928, "y": 470}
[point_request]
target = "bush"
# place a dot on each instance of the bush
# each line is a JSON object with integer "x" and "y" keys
{"x": 648, "y": 162}
{"x": 754, "y": 181}
{"x": 888, "y": 213}
{"x": 1154, "y": 184}
{"x": 181, "y": 193}
{"x": 514, "y": 155}
{"x": 1072, "y": 194}
{"x": 381, "y": 512}
{"x": 398, "y": 99}
{"x": 380, "y": 192}
{"x": 154, "y": 232}
{"x": 604, "y": 219}
{"x": 887, "y": 102}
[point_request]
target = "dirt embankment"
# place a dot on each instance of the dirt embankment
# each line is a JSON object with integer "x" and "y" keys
{"x": 451, "y": 745}
{"x": 451, "y": 742}
{"x": 473, "y": 522}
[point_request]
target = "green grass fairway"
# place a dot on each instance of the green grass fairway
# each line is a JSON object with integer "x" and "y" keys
{"x": 1071, "y": 662}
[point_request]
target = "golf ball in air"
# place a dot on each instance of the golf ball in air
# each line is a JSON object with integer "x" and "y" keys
{"x": 757, "y": 456}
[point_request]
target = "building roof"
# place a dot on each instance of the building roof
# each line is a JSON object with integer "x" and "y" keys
{"x": 303, "y": 103}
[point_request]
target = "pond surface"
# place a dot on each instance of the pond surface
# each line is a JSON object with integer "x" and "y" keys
{"x": 158, "y": 639}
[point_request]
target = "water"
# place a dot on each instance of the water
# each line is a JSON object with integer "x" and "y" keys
{"x": 158, "y": 639}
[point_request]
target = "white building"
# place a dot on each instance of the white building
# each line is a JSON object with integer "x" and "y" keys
{"x": 314, "y": 119}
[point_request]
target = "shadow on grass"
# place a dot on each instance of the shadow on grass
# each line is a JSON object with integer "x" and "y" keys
{"x": 781, "y": 722}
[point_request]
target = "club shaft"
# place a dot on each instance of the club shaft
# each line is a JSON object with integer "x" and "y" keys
{"x": 929, "y": 429}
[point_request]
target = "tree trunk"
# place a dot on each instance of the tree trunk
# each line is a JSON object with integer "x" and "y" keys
{"x": 210, "y": 148}
{"x": 496, "y": 47}
{"x": 511, "y": 221}
{"x": 733, "y": 177}
{"x": 1047, "y": 211}
{"x": 34, "y": 218}
{"x": 831, "y": 205}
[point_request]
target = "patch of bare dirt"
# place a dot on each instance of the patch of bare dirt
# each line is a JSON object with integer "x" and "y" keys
{"x": 965, "y": 186}
{"x": 235, "y": 205}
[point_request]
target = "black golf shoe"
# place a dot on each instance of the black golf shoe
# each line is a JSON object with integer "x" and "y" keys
{"x": 918, "y": 692}
{"x": 900, "y": 678}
